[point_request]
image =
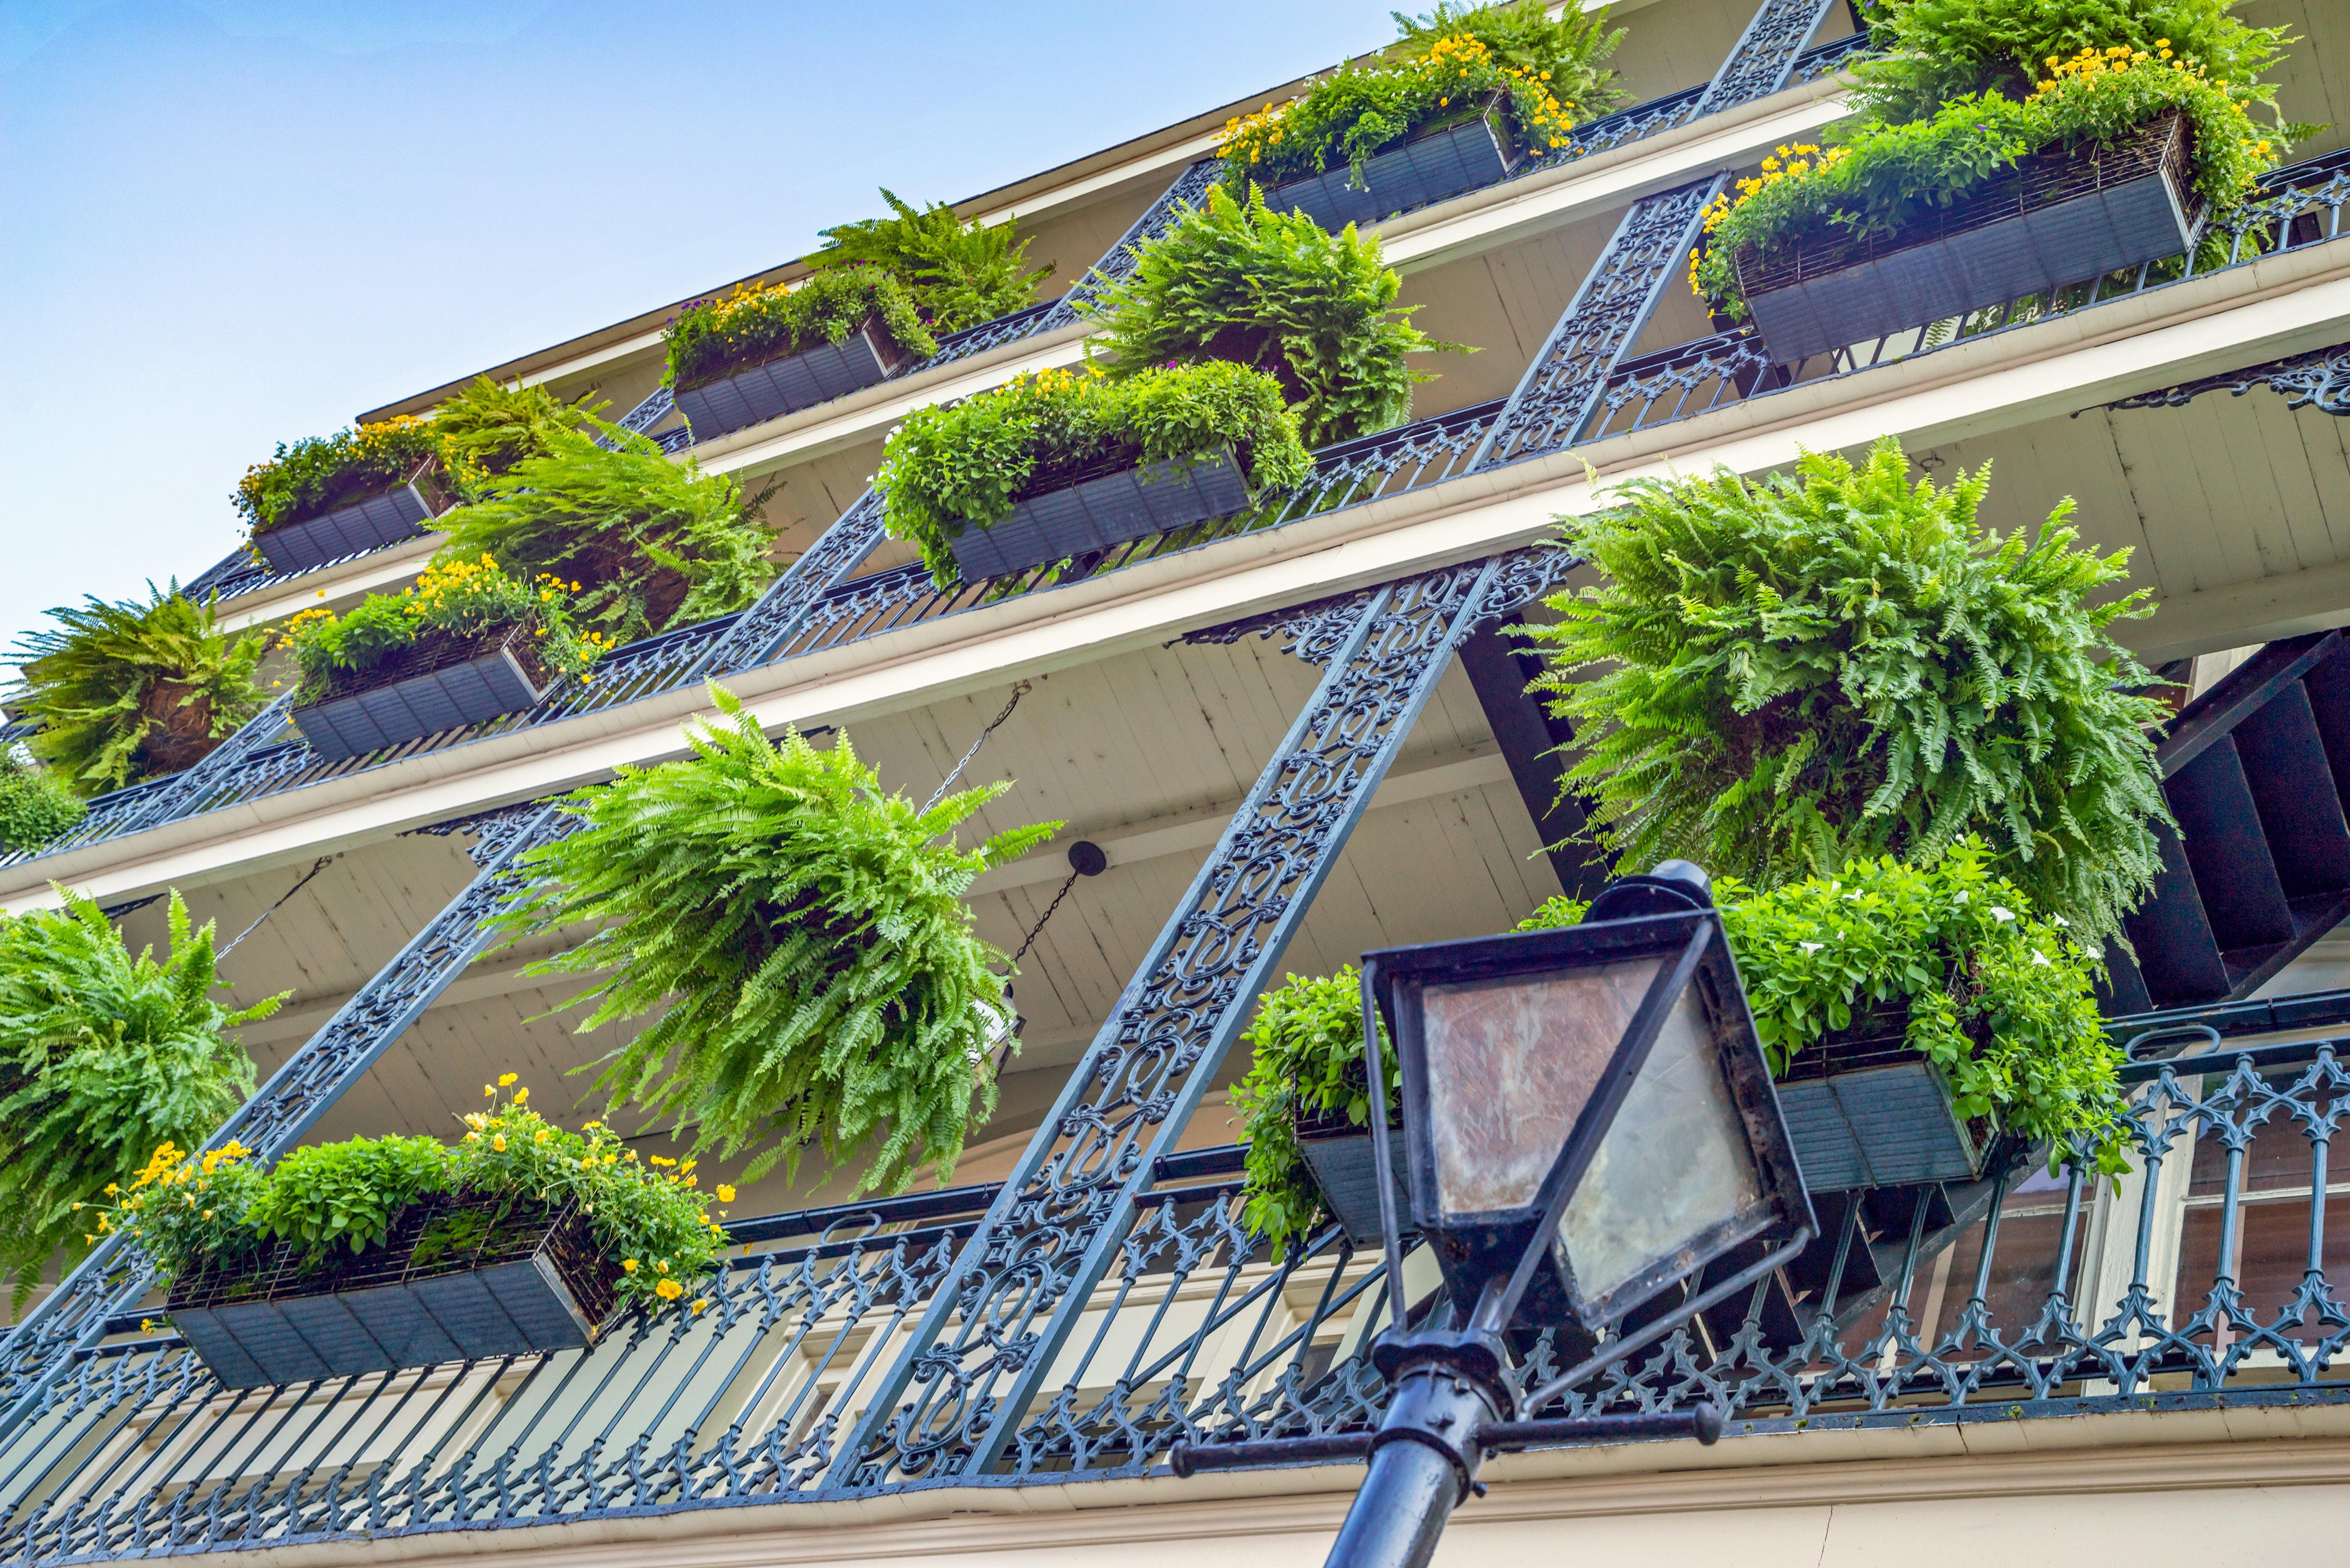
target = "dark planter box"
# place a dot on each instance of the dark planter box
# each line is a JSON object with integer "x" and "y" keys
{"x": 1339, "y": 1155}
{"x": 438, "y": 684}
{"x": 2056, "y": 218}
{"x": 1096, "y": 513}
{"x": 1865, "y": 1110}
{"x": 757, "y": 393}
{"x": 530, "y": 1282}
{"x": 395, "y": 513}
{"x": 1427, "y": 168}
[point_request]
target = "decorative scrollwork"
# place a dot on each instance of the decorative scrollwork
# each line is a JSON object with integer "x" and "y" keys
{"x": 1563, "y": 384}
{"x": 1766, "y": 54}
{"x": 2318, "y": 379}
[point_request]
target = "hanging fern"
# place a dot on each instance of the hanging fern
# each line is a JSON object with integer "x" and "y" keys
{"x": 959, "y": 275}
{"x": 800, "y": 939}
{"x": 125, "y": 691}
{"x": 103, "y": 1057}
{"x": 484, "y": 428}
{"x": 651, "y": 542}
{"x": 1785, "y": 675}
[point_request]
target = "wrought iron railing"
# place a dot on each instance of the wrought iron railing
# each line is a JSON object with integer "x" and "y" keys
{"x": 274, "y": 758}
{"x": 2203, "y": 1275}
{"x": 2296, "y": 206}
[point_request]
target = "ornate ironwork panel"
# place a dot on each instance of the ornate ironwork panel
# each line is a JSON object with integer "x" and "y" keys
{"x": 1766, "y": 53}
{"x": 2318, "y": 379}
{"x": 1614, "y": 302}
{"x": 115, "y": 1277}
{"x": 954, "y": 1402}
{"x": 657, "y": 405}
{"x": 753, "y": 637}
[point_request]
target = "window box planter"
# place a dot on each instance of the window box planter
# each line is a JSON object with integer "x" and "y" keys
{"x": 438, "y": 682}
{"x": 1339, "y": 1155}
{"x": 385, "y": 515}
{"x": 1865, "y": 1110}
{"x": 756, "y": 393}
{"x": 1430, "y": 167}
{"x": 529, "y": 1282}
{"x": 1097, "y": 512}
{"x": 2056, "y": 218}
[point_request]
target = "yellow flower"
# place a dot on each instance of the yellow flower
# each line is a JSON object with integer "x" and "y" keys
{"x": 506, "y": 1080}
{"x": 725, "y": 1193}
{"x": 499, "y": 1143}
{"x": 663, "y": 1264}
{"x": 669, "y": 1289}
{"x": 627, "y": 1265}
{"x": 489, "y": 1093}
{"x": 699, "y": 1303}
{"x": 520, "y": 1096}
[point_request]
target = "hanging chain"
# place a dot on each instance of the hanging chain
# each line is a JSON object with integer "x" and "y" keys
{"x": 1019, "y": 690}
{"x": 1038, "y": 928}
{"x": 323, "y": 862}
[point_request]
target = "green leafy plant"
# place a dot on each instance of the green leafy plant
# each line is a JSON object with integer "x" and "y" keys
{"x": 347, "y": 1194}
{"x": 648, "y": 1218}
{"x": 647, "y": 540}
{"x": 959, "y": 275}
{"x": 713, "y": 338}
{"x": 484, "y": 428}
{"x": 799, "y": 938}
{"x": 125, "y": 691}
{"x": 967, "y": 466}
{"x": 1962, "y": 100}
{"x": 450, "y": 600}
{"x": 1276, "y": 292}
{"x": 1998, "y": 999}
{"x": 1933, "y": 51}
{"x": 1778, "y": 677}
{"x": 35, "y": 807}
{"x": 1306, "y": 1062}
{"x": 319, "y": 474}
{"x": 103, "y": 1055}
{"x": 1546, "y": 75}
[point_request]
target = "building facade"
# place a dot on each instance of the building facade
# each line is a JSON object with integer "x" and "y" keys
{"x": 1294, "y": 742}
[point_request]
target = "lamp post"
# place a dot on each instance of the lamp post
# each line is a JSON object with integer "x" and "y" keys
{"x": 1588, "y": 1123}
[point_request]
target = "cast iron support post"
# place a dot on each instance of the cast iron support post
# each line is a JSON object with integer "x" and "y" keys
{"x": 1555, "y": 399}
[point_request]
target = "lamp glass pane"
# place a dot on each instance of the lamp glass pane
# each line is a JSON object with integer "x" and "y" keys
{"x": 1510, "y": 1064}
{"x": 1675, "y": 1162}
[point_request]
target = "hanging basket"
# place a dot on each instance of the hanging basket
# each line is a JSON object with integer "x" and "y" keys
{"x": 394, "y": 510}
{"x": 1430, "y": 167}
{"x": 754, "y": 394}
{"x": 438, "y": 682}
{"x": 1865, "y": 1109}
{"x": 460, "y": 1278}
{"x": 1102, "y": 510}
{"x": 2058, "y": 217}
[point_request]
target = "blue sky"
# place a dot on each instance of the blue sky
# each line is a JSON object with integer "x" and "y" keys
{"x": 228, "y": 222}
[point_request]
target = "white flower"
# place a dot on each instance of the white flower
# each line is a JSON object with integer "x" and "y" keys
{"x": 1852, "y": 897}
{"x": 2041, "y": 959}
{"x": 1811, "y": 946}
{"x": 1961, "y": 897}
{"x": 2002, "y": 916}
{"x": 2060, "y": 919}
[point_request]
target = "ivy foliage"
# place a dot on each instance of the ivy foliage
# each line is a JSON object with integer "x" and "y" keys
{"x": 1306, "y": 1063}
{"x": 959, "y": 275}
{"x": 648, "y": 1218}
{"x": 35, "y": 807}
{"x": 1277, "y": 292}
{"x": 484, "y": 428}
{"x": 712, "y": 338}
{"x": 798, "y": 936}
{"x": 652, "y": 542}
{"x": 319, "y": 474}
{"x": 1970, "y": 90}
{"x": 1546, "y": 75}
{"x": 1998, "y": 999}
{"x": 949, "y": 468}
{"x": 1778, "y": 677}
{"x": 103, "y": 1055}
{"x": 127, "y": 690}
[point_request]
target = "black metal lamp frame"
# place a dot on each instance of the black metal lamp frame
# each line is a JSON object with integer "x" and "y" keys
{"x": 1456, "y": 1397}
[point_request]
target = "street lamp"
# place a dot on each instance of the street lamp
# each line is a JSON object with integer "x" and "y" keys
{"x": 1588, "y": 1123}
